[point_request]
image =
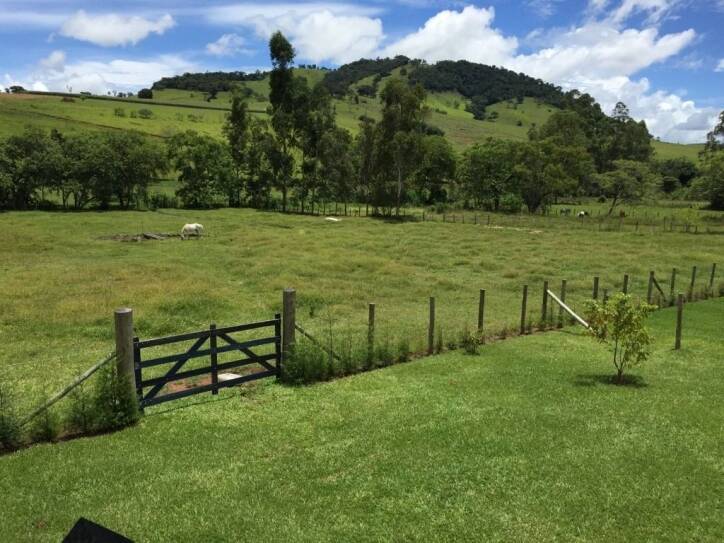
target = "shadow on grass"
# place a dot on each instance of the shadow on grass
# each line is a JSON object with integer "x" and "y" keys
{"x": 169, "y": 408}
{"x": 590, "y": 380}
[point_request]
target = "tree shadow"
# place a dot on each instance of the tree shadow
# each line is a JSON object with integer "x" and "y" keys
{"x": 591, "y": 379}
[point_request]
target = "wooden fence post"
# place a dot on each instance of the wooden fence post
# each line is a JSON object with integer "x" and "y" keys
{"x": 523, "y": 309}
{"x": 711, "y": 279}
{"x": 370, "y": 332}
{"x": 214, "y": 360}
{"x": 289, "y": 303}
{"x": 481, "y": 314}
{"x": 431, "y": 327}
{"x": 123, "y": 320}
{"x": 651, "y": 287}
{"x": 563, "y": 299}
{"x": 693, "y": 280}
{"x": 625, "y": 283}
{"x": 679, "y": 319}
{"x": 673, "y": 285}
{"x": 595, "y": 287}
{"x": 544, "y": 305}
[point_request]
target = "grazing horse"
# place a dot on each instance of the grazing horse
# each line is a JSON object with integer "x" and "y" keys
{"x": 194, "y": 229}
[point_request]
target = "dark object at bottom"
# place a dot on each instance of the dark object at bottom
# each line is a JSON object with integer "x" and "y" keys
{"x": 86, "y": 531}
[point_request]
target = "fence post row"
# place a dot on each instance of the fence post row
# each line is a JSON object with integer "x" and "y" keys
{"x": 679, "y": 319}
{"x": 125, "y": 364}
{"x": 523, "y": 309}
{"x": 693, "y": 280}
{"x": 370, "y": 332}
{"x": 673, "y": 284}
{"x": 651, "y": 287}
{"x": 544, "y": 304}
{"x": 481, "y": 315}
{"x": 431, "y": 327}
{"x": 595, "y": 287}
{"x": 625, "y": 283}
{"x": 563, "y": 299}
{"x": 711, "y": 279}
{"x": 289, "y": 301}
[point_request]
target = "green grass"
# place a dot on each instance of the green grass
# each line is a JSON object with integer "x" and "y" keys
{"x": 664, "y": 150}
{"x": 61, "y": 281}
{"x": 524, "y": 442}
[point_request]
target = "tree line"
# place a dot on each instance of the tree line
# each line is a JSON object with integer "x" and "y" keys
{"x": 299, "y": 156}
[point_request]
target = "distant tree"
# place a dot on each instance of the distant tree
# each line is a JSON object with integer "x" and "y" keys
{"x": 436, "y": 168}
{"x": 204, "y": 166}
{"x": 545, "y": 170}
{"x": 486, "y": 171}
{"x": 620, "y": 323}
{"x": 715, "y": 138}
{"x": 146, "y": 94}
{"x": 620, "y": 113}
{"x": 710, "y": 185}
{"x": 364, "y": 153}
{"x": 336, "y": 163}
{"x": 627, "y": 182}
{"x": 238, "y": 131}
{"x": 25, "y": 160}
{"x": 681, "y": 169}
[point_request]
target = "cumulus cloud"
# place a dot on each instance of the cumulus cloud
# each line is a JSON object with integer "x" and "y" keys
{"x": 226, "y": 45}
{"x": 111, "y": 29}
{"x": 720, "y": 66}
{"x": 320, "y": 32}
{"x": 457, "y": 35}
{"x": 56, "y": 73}
{"x": 599, "y": 57}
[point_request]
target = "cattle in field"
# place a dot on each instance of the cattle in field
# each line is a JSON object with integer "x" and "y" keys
{"x": 194, "y": 229}
{"x": 582, "y": 214}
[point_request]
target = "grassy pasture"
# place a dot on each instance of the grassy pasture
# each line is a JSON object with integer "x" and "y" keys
{"x": 60, "y": 279}
{"x": 447, "y": 111}
{"x": 524, "y": 442}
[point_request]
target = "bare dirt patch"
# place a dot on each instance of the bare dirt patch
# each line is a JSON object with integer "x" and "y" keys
{"x": 144, "y": 236}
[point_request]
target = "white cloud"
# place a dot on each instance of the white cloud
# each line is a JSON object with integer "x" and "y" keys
{"x": 598, "y": 57}
{"x": 55, "y": 73}
{"x": 457, "y": 35}
{"x": 226, "y": 45}
{"x": 720, "y": 66}
{"x": 111, "y": 29}
{"x": 320, "y": 32}
{"x": 544, "y": 8}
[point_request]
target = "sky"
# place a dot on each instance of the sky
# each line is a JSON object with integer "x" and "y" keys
{"x": 663, "y": 58}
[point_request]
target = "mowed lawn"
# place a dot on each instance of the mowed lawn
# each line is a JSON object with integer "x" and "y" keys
{"x": 61, "y": 277}
{"x": 524, "y": 442}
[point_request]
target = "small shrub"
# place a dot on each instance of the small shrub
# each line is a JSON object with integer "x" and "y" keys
{"x": 385, "y": 356}
{"x": 469, "y": 342}
{"x": 80, "y": 417}
{"x": 620, "y": 323}
{"x": 114, "y": 403}
{"x": 510, "y": 203}
{"x": 119, "y": 112}
{"x": 403, "y": 350}
{"x": 145, "y": 113}
{"x": 9, "y": 423}
{"x": 45, "y": 426}
{"x": 307, "y": 363}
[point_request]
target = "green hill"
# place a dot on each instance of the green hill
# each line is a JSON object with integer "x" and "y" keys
{"x": 174, "y": 110}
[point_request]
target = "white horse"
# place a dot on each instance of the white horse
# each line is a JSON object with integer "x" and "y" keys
{"x": 194, "y": 229}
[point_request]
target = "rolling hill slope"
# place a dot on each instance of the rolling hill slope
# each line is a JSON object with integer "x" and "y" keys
{"x": 177, "y": 110}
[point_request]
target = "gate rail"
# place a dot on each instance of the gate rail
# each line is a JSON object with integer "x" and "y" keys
{"x": 271, "y": 362}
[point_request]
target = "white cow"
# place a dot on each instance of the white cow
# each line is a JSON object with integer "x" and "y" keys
{"x": 582, "y": 214}
{"x": 194, "y": 229}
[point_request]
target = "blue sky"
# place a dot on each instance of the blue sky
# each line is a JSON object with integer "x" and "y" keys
{"x": 664, "y": 58}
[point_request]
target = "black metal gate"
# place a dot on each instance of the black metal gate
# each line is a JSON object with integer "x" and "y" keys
{"x": 206, "y": 344}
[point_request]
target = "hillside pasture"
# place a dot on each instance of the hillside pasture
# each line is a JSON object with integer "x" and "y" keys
{"x": 525, "y": 442}
{"x": 63, "y": 274}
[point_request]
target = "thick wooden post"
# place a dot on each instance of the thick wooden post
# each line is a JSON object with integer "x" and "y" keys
{"x": 289, "y": 303}
{"x": 651, "y": 287}
{"x": 278, "y": 343}
{"x": 679, "y": 320}
{"x": 625, "y": 283}
{"x": 370, "y": 331}
{"x": 214, "y": 360}
{"x": 123, "y": 319}
{"x": 693, "y": 281}
{"x": 431, "y": 327}
{"x": 595, "y": 287}
{"x": 563, "y": 299}
{"x": 523, "y": 309}
{"x": 544, "y": 305}
{"x": 481, "y": 312}
{"x": 673, "y": 285}
{"x": 711, "y": 279}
